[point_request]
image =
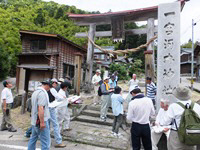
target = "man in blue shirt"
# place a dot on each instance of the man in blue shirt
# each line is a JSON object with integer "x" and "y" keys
{"x": 117, "y": 108}
{"x": 151, "y": 90}
{"x": 112, "y": 82}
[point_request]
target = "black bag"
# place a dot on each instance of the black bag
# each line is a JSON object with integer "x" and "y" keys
{"x": 99, "y": 91}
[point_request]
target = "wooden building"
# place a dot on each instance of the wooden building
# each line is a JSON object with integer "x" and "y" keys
{"x": 44, "y": 56}
{"x": 101, "y": 59}
{"x": 197, "y": 58}
{"x": 186, "y": 61}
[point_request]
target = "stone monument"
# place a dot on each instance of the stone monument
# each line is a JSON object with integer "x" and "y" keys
{"x": 168, "y": 53}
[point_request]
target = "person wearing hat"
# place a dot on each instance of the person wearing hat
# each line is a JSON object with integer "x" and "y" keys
{"x": 174, "y": 113}
{"x": 40, "y": 117}
{"x": 105, "y": 98}
{"x": 7, "y": 101}
{"x": 139, "y": 111}
{"x": 63, "y": 115}
{"x": 95, "y": 81}
{"x": 53, "y": 95}
{"x": 112, "y": 82}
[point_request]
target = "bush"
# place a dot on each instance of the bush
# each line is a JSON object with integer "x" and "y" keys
{"x": 136, "y": 68}
{"x": 121, "y": 69}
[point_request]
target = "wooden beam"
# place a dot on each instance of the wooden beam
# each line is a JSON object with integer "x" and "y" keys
{"x": 90, "y": 52}
{"x": 78, "y": 62}
{"x": 109, "y": 33}
{"x": 149, "y": 58}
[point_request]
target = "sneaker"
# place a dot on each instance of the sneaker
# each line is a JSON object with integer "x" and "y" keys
{"x": 27, "y": 136}
{"x": 115, "y": 134}
{"x": 4, "y": 128}
{"x": 60, "y": 145}
{"x": 67, "y": 129}
{"x": 103, "y": 119}
{"x": 12, "y": 130}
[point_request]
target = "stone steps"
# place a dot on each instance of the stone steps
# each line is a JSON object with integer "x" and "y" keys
{"x": 96, "y": 108}
{"x": 95, "y": 113}
{"x": 95, "y": 120}
{"x": 96, "y": 135}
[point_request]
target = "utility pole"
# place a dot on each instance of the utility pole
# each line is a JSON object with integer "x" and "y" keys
{"x": 192, "y": 65}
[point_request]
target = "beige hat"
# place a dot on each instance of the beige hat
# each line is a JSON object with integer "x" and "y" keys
{"x": 182, "y": 93}
{"x": 106, "y": 78}
{"x": 99, "y": 71}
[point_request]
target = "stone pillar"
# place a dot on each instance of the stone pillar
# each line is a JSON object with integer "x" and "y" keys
{"x": 90, "y": 53}
{"x": 168, "y": 53}
{"x": 78, "y": 74}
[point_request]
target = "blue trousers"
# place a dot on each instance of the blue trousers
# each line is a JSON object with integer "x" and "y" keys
{"x": 44, "y": 135}
{"x": 55, "y": 124}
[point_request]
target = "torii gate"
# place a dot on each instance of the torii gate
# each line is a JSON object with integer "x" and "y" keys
{"x": 168, "y": 71}
{"x": 117, "y": 20}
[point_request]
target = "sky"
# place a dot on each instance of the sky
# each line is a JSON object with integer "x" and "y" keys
{"x": 190, "y": 11}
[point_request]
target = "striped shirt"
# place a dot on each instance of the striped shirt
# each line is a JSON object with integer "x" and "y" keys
{"x": 151, "y": 90}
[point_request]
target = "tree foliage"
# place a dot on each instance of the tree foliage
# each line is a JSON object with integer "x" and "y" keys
{"x": 50, "y": 17}
{"x": 121, "y": 69}
{"x": 34, "y": 15}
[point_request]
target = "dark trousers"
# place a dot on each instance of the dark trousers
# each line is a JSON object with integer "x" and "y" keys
{"x": 118, "y": 120}
{"x": 141, "y": 132}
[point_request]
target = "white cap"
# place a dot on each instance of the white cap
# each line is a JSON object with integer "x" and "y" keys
{"x": 54, "y": 80}
{"x": 105, "y": 78}
{"x": 61, "y": 80}
{"x": 99, "y": 71}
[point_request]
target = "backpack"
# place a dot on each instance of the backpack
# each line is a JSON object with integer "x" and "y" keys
{"x": 189, "y": 129}
{"x": 99, "y": 91}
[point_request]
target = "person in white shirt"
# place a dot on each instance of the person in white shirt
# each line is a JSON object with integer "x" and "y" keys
{"x": 54, "y": 96}
{"x": 95, "y": 81}
{"x": 132, "y": 84}
{"x": 174, "y": 113}
{"x": 158, "y": 130}
{"x": 139, "y": 111}
{"x": 63, "y": 115}
{"x": 7, "y": 102}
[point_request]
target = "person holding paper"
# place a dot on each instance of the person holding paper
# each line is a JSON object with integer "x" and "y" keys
{"x": 54, "y": 96}
{"x": 63, "y": 115}
{"x": 158, "y": 130}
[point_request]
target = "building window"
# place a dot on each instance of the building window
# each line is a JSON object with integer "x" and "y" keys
{"x": 37, "y": 45}
{"x": 102, "y": 56}
{"x": 68, "y": 70}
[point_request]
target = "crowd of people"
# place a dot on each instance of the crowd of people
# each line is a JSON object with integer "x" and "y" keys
{"x": 141, "y": 109}
{"x": 108, "y": 94}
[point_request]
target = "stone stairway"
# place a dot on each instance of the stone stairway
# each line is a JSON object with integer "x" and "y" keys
{"x": 89, "y": 129}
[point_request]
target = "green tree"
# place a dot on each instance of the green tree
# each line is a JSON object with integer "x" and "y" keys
{"x": 40, "y": 20}
{"x": 59, "y": 13}
{"x": 121, "y": 69}
{"x": 136, "y": 67}
{"x": 4, "y": 64}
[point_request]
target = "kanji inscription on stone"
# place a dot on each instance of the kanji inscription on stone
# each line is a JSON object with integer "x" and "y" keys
{"x": 168, "y": 53}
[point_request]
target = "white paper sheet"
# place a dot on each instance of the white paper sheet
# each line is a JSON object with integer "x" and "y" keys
{"x": 55, "y": 104}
